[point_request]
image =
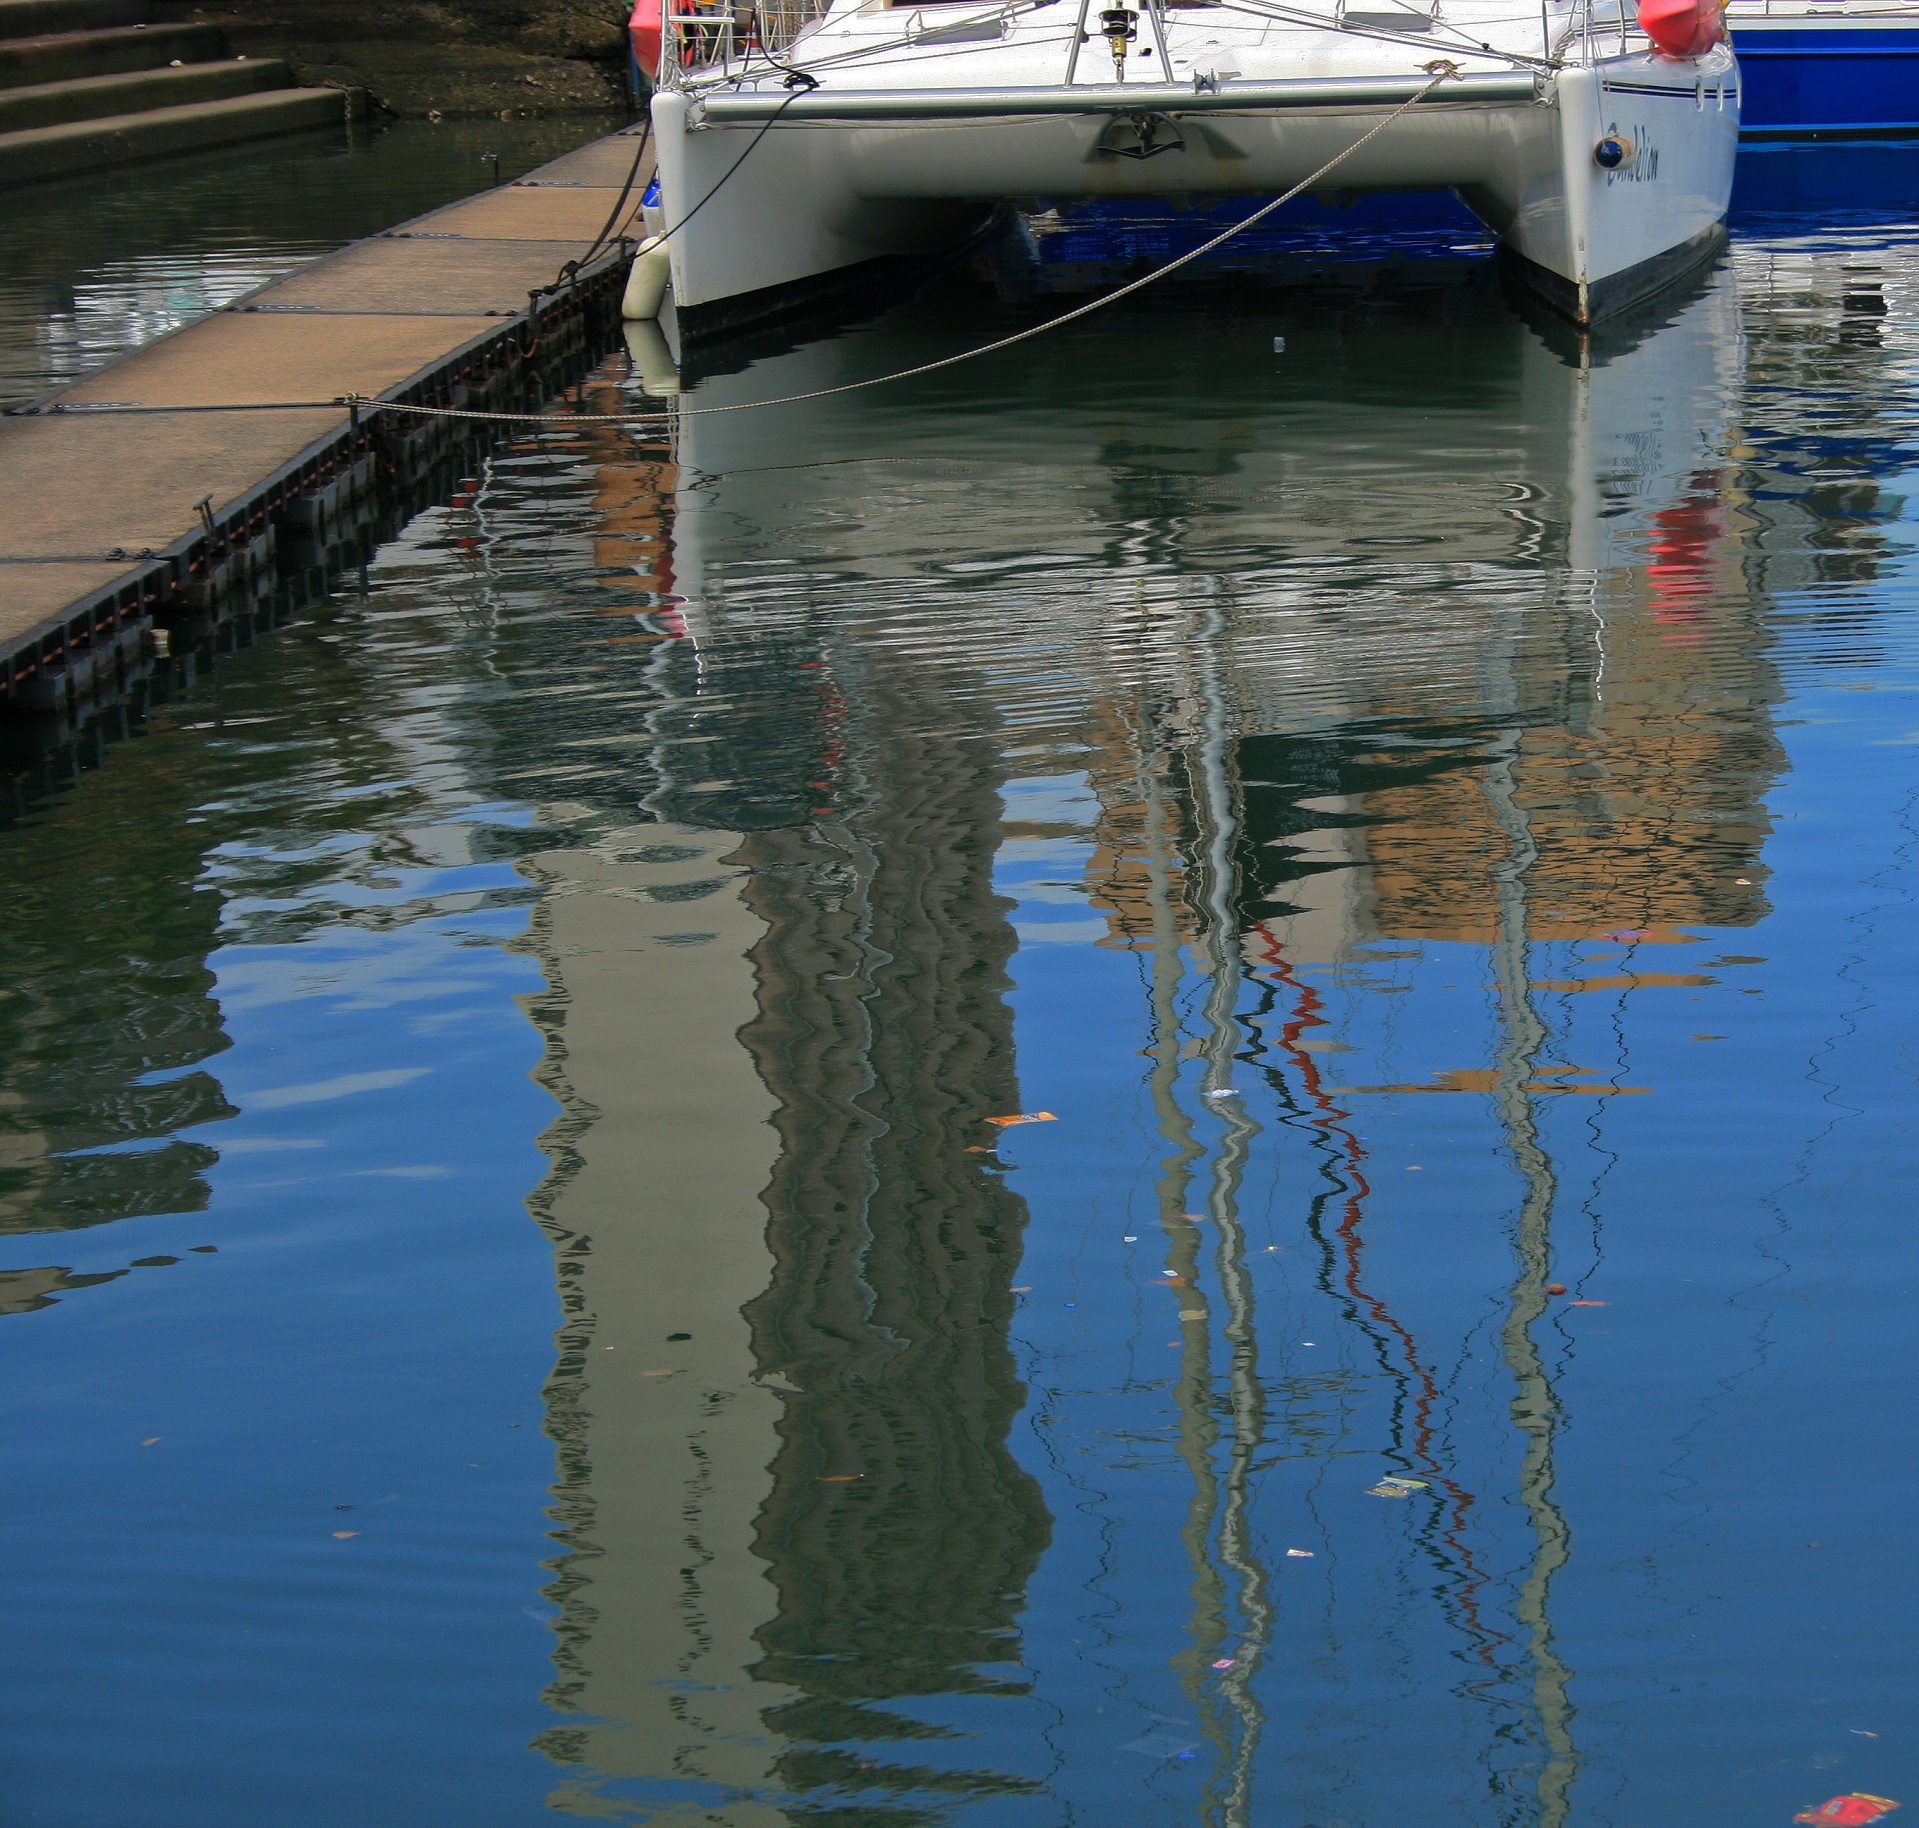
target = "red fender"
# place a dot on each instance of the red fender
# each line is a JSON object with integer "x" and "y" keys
{"x": 1682, "y": 28}
{"x": 647, "y": 29}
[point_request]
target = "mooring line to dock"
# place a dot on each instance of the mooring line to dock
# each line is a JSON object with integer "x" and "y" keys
{"x": 1440, "y": 70}
{"x": 796, "y": 80}
{"x": 619, "y": 215}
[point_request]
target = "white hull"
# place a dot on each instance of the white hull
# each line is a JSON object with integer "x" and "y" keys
{"x": 822, "y": 195}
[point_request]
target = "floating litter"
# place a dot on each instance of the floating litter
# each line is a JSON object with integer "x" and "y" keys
{"x": 1853, "y": 1810}
{"x": 1024, "y": 1117}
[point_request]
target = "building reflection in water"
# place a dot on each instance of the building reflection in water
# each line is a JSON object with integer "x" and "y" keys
{"x": 900, "y": 1532}
{"x": 786, "y": 1386}
{"x": 778, "y": 1014}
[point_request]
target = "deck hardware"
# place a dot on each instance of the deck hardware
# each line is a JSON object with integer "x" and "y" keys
{"x": 1139, "y": 136}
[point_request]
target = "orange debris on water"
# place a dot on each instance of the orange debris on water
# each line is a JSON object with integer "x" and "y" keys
{"x": 1853, "y": 1810}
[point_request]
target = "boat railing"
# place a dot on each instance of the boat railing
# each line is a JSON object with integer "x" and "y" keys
{"x": 706, "y": 36}
{"x": 713, "y": 41}
{"x": 1598, "y": 29}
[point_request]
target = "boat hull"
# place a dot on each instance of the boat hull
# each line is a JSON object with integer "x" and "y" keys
{"x": 1835, "y": 78}
{"x": 783, "y": 201}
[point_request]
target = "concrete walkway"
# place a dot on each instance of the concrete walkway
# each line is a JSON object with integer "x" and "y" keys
{"x": 148, "y": 483}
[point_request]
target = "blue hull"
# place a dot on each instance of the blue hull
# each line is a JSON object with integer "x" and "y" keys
{"x": 1832, "y": 78}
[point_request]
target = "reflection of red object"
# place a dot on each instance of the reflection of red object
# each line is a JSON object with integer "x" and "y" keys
{"x": 1852, "y": 1811}
{"x": 1682, "y": 28}
{"x": 1684, "y": 538}
{"x": 646, "y": 28}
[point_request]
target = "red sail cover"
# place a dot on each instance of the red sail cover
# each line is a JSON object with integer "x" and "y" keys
{"x": 1682, "y": 28}
{"x": 646, "y": 28}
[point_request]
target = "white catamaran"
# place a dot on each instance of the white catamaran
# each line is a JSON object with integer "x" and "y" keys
{"x": 798, "y": 155}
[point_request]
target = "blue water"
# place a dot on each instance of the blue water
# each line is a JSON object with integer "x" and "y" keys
{"x": 512, "y": 1304}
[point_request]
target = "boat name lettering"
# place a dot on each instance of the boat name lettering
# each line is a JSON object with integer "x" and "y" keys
{"x": 1643, "y": 168}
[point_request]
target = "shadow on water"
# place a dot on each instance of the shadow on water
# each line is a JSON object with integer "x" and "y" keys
{"x": 1181, "y": 1190}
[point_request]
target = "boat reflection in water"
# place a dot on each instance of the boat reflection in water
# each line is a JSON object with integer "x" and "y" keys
{"x": 1287, "y": 763}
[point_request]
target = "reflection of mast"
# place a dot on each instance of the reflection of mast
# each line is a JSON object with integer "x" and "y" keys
{"x": 1342, "y": 1165}
{"x": 1222, "y": 1501}
{"x": 1192, "y": 1392}
{"x": 1217, "y": 819}
{"x": 1535, "y": 1407}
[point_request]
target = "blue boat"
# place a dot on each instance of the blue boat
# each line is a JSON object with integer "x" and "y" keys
{"x": 1815, "y": 69}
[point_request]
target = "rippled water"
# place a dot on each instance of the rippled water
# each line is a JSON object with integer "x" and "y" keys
{"x": 514, "y": 1298}
{"x": 93, "y": 267}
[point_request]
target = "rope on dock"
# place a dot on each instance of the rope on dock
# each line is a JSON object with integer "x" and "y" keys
{"x": 1440, "y": 70}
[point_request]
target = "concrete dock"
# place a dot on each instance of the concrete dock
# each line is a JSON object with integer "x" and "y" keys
{"x": 162, "y": 486}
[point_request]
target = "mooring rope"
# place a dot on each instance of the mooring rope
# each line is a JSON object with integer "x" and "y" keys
{"x": 1440, "y": 70}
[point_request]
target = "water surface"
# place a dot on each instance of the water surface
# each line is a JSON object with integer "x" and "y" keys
{"x": 93, "y": 267}
{"x": 514, "y": 1299}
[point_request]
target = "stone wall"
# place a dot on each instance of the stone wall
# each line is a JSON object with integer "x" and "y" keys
{"x": 438, "y": 58}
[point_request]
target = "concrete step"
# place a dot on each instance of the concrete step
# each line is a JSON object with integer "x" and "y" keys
{"x": 91, "y": 97}
{"x": 42, "y": 18}
{"x": 37, "y": 153}
{"x": 64, "y": 56}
